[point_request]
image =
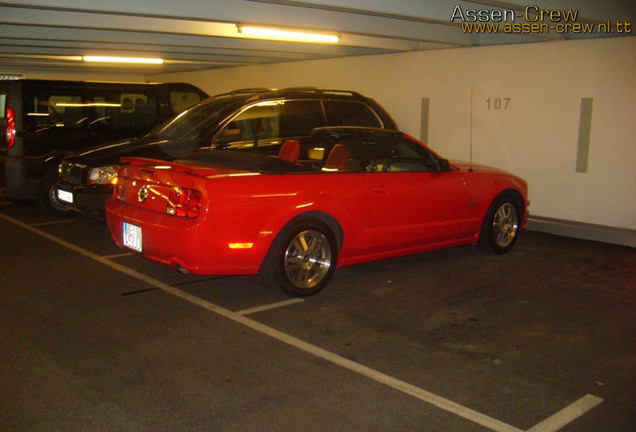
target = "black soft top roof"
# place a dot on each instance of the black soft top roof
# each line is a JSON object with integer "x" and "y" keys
{"x": 244, "y": 160}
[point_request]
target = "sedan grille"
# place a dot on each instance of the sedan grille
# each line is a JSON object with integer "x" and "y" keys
{"x": 73, "y": 173}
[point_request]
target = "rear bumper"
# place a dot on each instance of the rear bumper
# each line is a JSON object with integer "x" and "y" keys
{"x": 191, "y": 244}
{"x": 88, "y": 199}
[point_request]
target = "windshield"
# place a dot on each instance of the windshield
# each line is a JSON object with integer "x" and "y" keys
{"x": 197, "y": 121}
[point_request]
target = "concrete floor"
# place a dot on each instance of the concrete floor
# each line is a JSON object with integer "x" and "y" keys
{"x": 540, "y": 339}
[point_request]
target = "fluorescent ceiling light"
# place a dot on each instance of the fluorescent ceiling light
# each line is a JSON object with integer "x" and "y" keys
{"x": 92, "y": 104}
{"x": 136, "y": 60}
{"x": 287, "y": 35}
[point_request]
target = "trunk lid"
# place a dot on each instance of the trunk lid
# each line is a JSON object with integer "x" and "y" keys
{"x": 172, "y": 188}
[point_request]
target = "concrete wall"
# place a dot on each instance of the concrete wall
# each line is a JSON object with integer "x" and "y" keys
{"x": 526, "y": 112}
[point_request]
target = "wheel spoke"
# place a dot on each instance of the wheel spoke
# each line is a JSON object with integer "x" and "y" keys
{"x": 303, "y": 276}
{"x": 303, "y": 242}
{"x": 294, "y": 261}
{"x": 322, "y": 262}
{"x": 315, "y": 245}
{"x": 297, "y": 246}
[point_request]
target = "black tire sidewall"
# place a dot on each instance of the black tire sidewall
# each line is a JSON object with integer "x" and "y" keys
{"x": 44, "y": 199}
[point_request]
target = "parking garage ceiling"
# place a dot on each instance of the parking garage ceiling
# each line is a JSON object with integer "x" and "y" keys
{"x": 55, "y": 35}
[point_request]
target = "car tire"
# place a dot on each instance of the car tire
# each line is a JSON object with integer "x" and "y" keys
{"x": 302, "y": 259}
{"x": 501, "y": 225}
{"x": 47, "y": 198}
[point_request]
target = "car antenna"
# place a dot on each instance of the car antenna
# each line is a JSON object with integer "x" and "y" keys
{"x": 470, "y": 160}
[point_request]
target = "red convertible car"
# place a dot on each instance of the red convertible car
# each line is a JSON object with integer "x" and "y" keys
{"x": 342, "y": 196}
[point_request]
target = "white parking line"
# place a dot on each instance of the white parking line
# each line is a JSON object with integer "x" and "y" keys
{"x": 117, "y": 255}
{"x": 558, "y": 420}
{"x": 269, "y": 306}
{"x": 567, "y": 414}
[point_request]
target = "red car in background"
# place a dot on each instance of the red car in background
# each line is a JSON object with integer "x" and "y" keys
{"x": 343, "y": 196}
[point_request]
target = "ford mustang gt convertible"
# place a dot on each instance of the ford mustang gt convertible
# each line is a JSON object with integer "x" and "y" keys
{"x": 343, "y": 196}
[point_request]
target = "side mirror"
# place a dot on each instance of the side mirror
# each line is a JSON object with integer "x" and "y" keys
{"x": 443, "y": 165}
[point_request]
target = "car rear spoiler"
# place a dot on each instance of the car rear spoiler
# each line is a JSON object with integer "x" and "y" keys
{"x": 156, "y": 164}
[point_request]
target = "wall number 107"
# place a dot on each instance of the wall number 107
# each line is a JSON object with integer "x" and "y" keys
{"x": 498, "y": 103}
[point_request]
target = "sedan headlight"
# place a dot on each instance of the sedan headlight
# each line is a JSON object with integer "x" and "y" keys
{"x": 103, "y": 175}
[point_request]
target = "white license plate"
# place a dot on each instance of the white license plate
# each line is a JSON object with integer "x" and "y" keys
{"x": 132, "y": 236}
{"x": 65, "y": 196}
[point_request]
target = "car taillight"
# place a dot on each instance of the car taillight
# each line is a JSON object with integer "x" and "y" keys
{"x": 184, "y": 202}
{"x": 10, "y": 127}
{"x": 120, "y": 189}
